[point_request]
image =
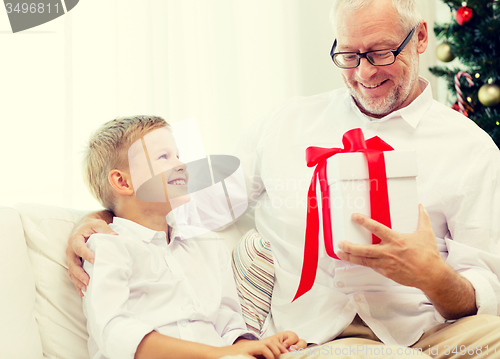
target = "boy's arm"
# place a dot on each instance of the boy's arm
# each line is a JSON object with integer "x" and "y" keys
{"x": 158, "y": 346}
{"x": 96, "y": 222}
{"x": 111, "y": 325}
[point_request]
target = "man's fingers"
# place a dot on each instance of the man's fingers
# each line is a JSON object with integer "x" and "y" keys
{"x": 81, "y": 235}
{"x": 75, "y": 269}
{"x": 80, "y": 287}
{"x": 424, "y": 221}
{"x": 359, "y": 250}
{"x": 364, "y": 261}
{"x": 101, "y": 226}
{"x": 374, "y": 227}
{"x": 77, "y": 248}
{"x": 79, "y": 277}
{"x": 80, "y": 274}
{"x": 82, "y": 251}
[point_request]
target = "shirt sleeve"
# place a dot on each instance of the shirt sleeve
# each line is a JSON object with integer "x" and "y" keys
{"x": 230, "y": 324}
{"x": 474, "y": 230}
{"x": 248, "y": 150}
{"x": 110, "y": 323}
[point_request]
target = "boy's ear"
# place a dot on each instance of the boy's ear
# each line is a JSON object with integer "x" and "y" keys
{"x": 121, "y": 182}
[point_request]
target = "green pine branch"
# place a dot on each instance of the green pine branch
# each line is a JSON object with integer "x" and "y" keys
{"x": 476, "y": 45}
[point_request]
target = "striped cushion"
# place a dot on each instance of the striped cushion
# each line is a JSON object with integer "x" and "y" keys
{"x": 254, "y": 275}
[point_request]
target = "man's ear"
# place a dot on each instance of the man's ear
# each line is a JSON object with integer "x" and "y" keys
{"x": 423, "y": 37}
{"x": 121, "y": 182}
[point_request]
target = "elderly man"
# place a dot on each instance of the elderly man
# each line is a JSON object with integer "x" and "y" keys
{"x": 436, "y": 289}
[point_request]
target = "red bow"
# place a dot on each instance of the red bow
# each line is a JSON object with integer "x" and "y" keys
{"x": 353, "y": 141}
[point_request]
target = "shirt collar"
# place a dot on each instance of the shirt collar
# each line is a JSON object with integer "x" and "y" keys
{"x": 136, "y": 230}
{"x": 411, "y": 114}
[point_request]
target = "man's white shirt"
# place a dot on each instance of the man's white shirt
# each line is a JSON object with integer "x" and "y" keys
{"x": 458, "y": 184}
{"x": 139, "y": 283}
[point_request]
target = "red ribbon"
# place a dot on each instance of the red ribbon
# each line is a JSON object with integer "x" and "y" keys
{"x": 353, "y": 141}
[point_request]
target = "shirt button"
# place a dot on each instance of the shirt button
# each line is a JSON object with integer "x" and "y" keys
{"x": 358, "y": 298}
{"x": 340, "y": 284}
{"x": 183, "y": 323}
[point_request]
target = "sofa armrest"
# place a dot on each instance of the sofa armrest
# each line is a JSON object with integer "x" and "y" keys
{"x": 58, "y": 307}
{"x": 19, "y": 336}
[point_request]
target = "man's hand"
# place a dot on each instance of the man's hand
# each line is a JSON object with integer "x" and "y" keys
{"x": 413, "y": 259}
{"x": 77, "y": 251}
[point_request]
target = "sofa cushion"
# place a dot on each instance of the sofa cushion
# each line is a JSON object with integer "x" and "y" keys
{"x": 19, "y": 336}
{"x": 58, "y": 307}
{"x": 253, "y": 269}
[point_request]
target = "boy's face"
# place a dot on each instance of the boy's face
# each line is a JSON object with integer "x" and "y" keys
{"x": 157, "y": 173}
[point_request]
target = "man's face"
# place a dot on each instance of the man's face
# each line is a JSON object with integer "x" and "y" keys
{"x": 378, "y": 90}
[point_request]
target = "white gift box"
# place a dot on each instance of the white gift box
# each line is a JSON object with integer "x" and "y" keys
{"x": 349, "y": 185}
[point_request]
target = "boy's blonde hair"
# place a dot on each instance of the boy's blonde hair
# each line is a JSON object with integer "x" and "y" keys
{"x": 107, "y": 150}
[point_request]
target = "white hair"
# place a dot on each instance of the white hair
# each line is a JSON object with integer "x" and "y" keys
{"x": 408, "y": 11}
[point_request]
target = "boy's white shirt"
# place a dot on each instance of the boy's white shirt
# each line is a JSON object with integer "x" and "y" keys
{"x": 139, "y": 283}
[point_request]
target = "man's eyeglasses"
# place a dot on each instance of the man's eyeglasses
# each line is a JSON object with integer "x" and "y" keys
{"x": 350, "y": 60}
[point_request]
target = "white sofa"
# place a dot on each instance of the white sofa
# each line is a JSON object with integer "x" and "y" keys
{"x": 40, "y": 310}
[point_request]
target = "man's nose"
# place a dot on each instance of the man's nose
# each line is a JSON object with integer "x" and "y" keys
{"x": 365, "y": 69}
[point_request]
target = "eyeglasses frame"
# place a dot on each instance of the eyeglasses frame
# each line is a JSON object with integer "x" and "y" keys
{"x": 362, "y": 55}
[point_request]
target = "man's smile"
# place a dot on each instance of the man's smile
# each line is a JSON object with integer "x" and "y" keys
{"x": 368, "y": 86}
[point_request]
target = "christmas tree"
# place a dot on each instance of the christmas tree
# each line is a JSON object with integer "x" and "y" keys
{"x": 473, "y": 36}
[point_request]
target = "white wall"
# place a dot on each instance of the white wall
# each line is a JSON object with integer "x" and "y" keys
{"x": 226, "y": 62}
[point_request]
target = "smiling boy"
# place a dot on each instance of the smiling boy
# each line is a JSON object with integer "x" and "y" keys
{"x": 153, "y": 294}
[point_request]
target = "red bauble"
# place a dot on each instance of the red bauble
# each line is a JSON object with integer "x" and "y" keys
{"x": 464, "y": 14}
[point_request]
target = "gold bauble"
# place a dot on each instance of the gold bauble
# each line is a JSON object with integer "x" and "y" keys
{"x": 489, "y": 95}
{"x": 443, "y": 52}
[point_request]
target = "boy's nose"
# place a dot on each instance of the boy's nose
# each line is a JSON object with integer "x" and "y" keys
{"x": 181, "y": 166}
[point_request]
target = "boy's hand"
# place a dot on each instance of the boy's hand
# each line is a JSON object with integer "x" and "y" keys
{"x": 288, "y": 338}
{"x": 77, "y": 248}
{"x": 268, "y": 348}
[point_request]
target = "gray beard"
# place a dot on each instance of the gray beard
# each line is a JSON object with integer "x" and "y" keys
{"x": 383, "y": 107}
